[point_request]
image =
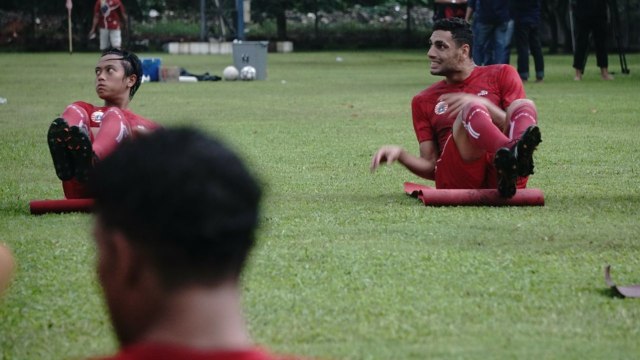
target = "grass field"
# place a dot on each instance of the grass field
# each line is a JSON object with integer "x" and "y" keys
{"x": 347, "y": 266}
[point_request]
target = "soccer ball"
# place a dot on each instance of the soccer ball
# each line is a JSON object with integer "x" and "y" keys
{"x": 248, "y": 73}
{"x": 230, "y": 73}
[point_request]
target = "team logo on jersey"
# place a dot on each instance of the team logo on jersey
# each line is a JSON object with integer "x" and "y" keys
{"x": 441, "y": 107}
{"x": 483, "y": 93}
{"x": 97, "y": 116}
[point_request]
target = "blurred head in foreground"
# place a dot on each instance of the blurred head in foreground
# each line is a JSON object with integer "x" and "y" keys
{"x": 175, "y": 217}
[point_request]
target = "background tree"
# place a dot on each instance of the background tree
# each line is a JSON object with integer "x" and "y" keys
{"x": 275, "y": 9}
{"x": 409, "y": 5}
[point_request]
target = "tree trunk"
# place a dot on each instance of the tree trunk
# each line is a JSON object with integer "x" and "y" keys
{"x": 316, "y": 31}
{"x": 566, "y": 27}
{"x": 409, "y": 7}
{"x": 281, "y": 25}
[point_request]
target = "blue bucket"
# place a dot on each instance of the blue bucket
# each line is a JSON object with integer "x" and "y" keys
{"x": 151, "y": 68}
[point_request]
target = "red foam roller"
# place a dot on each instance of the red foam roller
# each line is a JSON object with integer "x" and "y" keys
{"x": 414, "y": 189}
{"x": 38, "y": 207}
{"x": 473, "y": 197}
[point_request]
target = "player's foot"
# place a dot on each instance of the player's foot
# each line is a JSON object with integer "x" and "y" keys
{"x": 517, "y": 161}
{"x": 57, "y": 138}
{"x": 524, "y": 148}
{"x": 507, "y": 169}
{"x": 81, "y": 151}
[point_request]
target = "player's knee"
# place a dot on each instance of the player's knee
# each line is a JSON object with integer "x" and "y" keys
{"x": 113, "y": 114}
{"x": 521, "y": 107}
{"x": 76, "y": 109}
{"x": 520, "y": 104}
{"x": 471, "y": 107}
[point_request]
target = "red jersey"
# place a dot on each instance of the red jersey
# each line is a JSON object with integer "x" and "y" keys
{"x": 172, "y": 352}
{"x": 136, "y": 122}
{"x": 109, "y": 13}
{"x": 500, "y": 84}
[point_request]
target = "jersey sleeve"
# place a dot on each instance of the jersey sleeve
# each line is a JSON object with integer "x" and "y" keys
{"x": 421, "y": 124}
{"x": 511, "y": 86}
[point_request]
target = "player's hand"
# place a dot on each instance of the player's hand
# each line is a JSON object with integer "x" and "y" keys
{"x": 456, "y": 101}
{"x": 388, "y": 154}
{"x": 92, "y": 35}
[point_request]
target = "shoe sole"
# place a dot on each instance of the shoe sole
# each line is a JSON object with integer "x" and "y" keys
{"x": 525, "y": 148}
{"x": 81, "y": 150}
{"x": 57, "y": 138}
{"x": 507, "y": 170}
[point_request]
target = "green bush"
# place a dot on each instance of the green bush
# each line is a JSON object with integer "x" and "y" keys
{"x": 347, "y": 35}
{"x": 173, "y": 28}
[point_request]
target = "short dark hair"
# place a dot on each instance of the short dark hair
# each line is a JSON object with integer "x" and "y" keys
{"x": 132, "y": 66}
{"x": 460, "y": 31}
{"x": 185, "y": 200}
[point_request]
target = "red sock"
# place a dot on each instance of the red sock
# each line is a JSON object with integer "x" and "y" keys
{"x": 73, "y": 189}
{"x": 522, "y": 117}
{"x": 113, "y": 130}
{"x": 75, "y": 115}
{"x": 481, "y": 131}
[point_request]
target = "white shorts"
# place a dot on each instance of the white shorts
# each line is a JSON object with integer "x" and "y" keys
{"x": 110, "y": 38}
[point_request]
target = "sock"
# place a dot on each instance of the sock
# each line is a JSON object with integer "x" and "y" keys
{"x": 522, "y": 117}
{"x": 73, "y": 189}
{"x": 75, "y": 115}
{"x": 481, "y": 131}
{"x": 113, "y": 130}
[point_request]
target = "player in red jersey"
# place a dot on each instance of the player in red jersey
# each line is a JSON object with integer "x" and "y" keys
{"x": 85, "y": 133}
{"x": 171, "y": 248}
{"x": 109, "y": 17}
{"x": 475, "y": 128}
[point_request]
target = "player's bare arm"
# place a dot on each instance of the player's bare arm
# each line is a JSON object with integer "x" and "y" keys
{"x": 94, "y": 25}
{"x": 456, "y": 101}
{"x": 423, "y": 166}
{"x": 467, "y": 16}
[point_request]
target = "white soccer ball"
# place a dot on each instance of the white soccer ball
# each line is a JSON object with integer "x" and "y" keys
{"x": 248, "y": 73}
{"x": 230, "y": 73}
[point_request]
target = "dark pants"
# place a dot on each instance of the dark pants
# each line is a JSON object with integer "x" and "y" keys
{"x": 528, "y": 39}
{"x": 490, "y": 36}
{"x": 584, "y": 28}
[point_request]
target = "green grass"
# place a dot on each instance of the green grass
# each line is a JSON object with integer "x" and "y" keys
{"x": 347, "y": 266}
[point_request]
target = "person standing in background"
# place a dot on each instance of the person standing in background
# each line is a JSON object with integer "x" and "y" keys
{"x": 444, "y": 9}
{"x": 109, "y": 16}
{"x": 526, "y": 16}
{"x": 491, "y": 30}
{"x": 473, "y": 6}
{"x": 590, "y": 18}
